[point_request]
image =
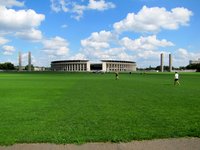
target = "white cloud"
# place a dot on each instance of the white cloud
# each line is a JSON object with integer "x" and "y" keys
{"x": 181, "y": 15}
{"x": 32, "y": 35}
{"x": 55, "y": 6}
{"x": 145, "y": 43}
{"x": 12, "y": 20}
{"x": 102, "y": 45}
{"x": 149, "y": 54}
{"x": 148, "y": 58}
{"x": 98, "y": 40}
{"x": 106, "y": 45}
{"x": 183, "y": 56}
{"x": 11, "y": 3}
{"x": 100, "y": 5}
{"x": 182, "y": 53}
{"x": 59, "y": 5}
{"x": 25, "y": 59}
{"x": 3, "y": 40}
{"x": 56, "y": 46}
{"x": 64, "y": 26}
{"x": 116, "y": 53}
{"x": 154, "y": 19}
{"x": 8, "y": 50}
{"x": 125, "y": 56}
{"x": 21, "y": 23}
{"x": 145, "y": 49}
{"x": 78, "y": 56}
{"x": 77, "y": 9}
{"x": 64, "y": 5}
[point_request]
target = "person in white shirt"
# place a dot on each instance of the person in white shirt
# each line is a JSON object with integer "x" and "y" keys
{"x": 176, "y": 79}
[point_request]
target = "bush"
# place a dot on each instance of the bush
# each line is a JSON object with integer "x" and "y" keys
{"x": 7, "y": 66}
{"x": 194, "y": 66}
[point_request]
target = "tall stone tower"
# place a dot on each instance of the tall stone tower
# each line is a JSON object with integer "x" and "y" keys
{"x": 20, "y": 61}
{"x": 161, "y": 62}
{"x": 29, "y": 61}
{"x": 170, "y": 63}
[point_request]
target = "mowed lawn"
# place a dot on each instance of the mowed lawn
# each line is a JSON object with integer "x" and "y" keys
{"x": 88, "y": 107}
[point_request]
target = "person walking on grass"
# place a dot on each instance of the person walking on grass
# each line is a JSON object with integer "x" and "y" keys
{"x": 116, "y": 75}
{"x": 176, "y": 79}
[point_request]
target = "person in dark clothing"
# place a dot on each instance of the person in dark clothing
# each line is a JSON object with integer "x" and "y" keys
{"x": 116, "y": 75}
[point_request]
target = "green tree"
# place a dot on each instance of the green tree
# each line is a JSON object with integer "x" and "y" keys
{"x": 32, "y": 67}
{"x": 194, "y": 66}
{"x": 7, "y": 66}
{"x": 165, "y": 68}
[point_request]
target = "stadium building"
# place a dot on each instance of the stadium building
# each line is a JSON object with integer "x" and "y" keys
{"x": 191, "y": 62}
{"x": 70, "y": 65}
{"x": 85, "y": 65}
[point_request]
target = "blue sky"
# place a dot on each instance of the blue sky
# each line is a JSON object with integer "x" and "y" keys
{"x": 134, "y": 30}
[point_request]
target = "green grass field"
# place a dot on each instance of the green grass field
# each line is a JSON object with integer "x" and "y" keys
{"x": 86, "y": 107}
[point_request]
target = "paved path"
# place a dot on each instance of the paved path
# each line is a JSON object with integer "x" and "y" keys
{"x": 161, "y": 144}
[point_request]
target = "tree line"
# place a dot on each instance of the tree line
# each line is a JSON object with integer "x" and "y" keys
{"x": 7, "y": 66}
{"x": 10, "y": 66}
{"x": 166, "y": 68}
{"x": 194, "y": 66}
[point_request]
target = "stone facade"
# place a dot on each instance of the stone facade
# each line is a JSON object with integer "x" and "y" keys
{"x": 121, "y": 66}
{"x": 70, "y": 65}
{"x": 85, "y": 65}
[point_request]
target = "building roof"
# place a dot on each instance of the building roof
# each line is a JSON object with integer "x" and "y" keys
{"x": 75, "y": 61}
{"x": 119, "y": 61}
{"x": 63, "y": 61}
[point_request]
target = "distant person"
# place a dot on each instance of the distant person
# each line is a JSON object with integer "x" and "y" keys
{"x": 116, "y": 75}
{"x": 176, "y": 79}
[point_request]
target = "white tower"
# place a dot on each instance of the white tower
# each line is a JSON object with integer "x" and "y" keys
{"x": 29, "y": 61}
{"x": 170, "y": 63}
{"x": 161, "y": 62}
{"x": 20, "y": 62}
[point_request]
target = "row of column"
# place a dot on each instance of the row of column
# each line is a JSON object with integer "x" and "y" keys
{"x": 119, "y": 67}
{"x": 70, "y": 67}
{"x": 75, "y": 67}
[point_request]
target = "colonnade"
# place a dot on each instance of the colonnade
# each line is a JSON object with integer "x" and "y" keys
{"x": 75, "y": 67}
{"x": 70, "y": 67}
{"x": 84, "y": 65}
{"x": 119, "y": 67}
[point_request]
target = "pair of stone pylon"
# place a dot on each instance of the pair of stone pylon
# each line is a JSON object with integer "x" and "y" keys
{"x": 29, "y": 61}
{"x": 161, "y": 63}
